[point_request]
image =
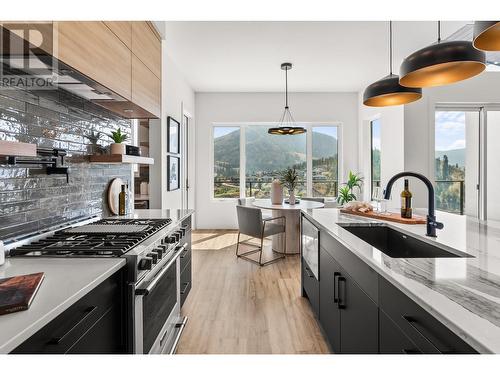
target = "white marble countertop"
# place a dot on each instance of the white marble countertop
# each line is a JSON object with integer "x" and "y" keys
{"x": 463, "y": 293}
{"x": 66, "y": 281}
{"x": 174, "y": 214}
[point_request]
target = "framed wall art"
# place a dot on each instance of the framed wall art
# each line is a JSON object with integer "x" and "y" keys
{"x": 174, "y": 135}
{"x": 173, "y": 173}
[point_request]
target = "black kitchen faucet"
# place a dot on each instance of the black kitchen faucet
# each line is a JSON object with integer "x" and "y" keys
{"x": 432, "y": 224}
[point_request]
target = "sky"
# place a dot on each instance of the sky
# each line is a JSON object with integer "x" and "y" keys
{"x": 220, "y": 131}
{"x": 376, "y": 134}
{"x": 450, "y": 130}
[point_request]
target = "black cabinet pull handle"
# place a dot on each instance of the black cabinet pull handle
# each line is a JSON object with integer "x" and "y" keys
{"x": 335, "y": 276}
{"x": 186, "y": 285}
{"x": 87, "y": 312}
{"x": 307, "y": 272}
{"x": 412, "y": 323}
{"x": 411, "y": 351}
{"x": 341, "y": 302}
{"x": 184, "y": 253}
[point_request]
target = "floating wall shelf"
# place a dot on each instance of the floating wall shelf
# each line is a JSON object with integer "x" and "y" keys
{"x": 126, "y": 159}
{"x": 8, "y": 148}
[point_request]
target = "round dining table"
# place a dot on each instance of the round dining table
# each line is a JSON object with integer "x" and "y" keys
{"x": 291, "y": 212}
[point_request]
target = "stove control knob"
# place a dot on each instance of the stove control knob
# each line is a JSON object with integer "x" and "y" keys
{"x": 153, "y": 256}
{"x": 145, "y": 264}
{"x": 181, "y": 233}
{"x": 159, "y": 252}
{"x": 172, "y": 239}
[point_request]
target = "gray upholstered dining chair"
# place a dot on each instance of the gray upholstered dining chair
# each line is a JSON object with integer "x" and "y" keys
{"x": 249, "y": 203}
{"x": 251, "y": 223}
{"x": 320, "y": 200}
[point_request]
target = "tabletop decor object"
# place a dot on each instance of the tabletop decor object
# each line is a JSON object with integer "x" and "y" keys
{"x": 346, "y": 192}
{"x": 276, "y": 192}
{"x": 94, "y": 137}
{"x": 117, "y": 148}
{"x": 290, "y": 178}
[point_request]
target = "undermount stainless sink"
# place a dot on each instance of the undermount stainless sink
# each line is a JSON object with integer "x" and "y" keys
{"x": 397, "y": 244}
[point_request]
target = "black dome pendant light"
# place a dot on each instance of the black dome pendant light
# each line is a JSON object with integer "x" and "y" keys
{"x": 287, "y": 123}
{"x": 487, "y": 35}
{"x": 442, "y": 63}
{"x": 387, "y": 91}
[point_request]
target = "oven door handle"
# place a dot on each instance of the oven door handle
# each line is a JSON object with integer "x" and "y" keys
{"x": 145, "y": 291}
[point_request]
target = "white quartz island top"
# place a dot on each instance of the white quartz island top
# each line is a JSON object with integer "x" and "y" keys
{"x": 463, "y": 293}
{"x": 66, "y": 281}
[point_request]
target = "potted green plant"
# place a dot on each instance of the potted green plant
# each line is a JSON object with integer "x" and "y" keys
{"x": 117, "y": 148}
{"x": 290, "y": 178}
{"x": 94, "y": 137}
{"x": 346, "y": 192}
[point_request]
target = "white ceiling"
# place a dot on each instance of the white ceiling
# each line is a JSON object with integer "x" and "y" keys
{"x": 326, "y": 56}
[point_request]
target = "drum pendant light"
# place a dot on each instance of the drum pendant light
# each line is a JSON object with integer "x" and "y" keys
{"x": 387, "y": 91}
{"x": 287, "y": 123}
{"x": 487, "y": 35}
{"x": 442, "y": 63}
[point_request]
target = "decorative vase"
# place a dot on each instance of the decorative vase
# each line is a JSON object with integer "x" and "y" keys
{"x": 291, "y": 196}
{"x": 117, "y": 149}
{"x": 276, "y": 192}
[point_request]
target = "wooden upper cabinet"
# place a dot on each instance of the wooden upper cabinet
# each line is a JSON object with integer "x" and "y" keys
{"x": 94, "y": 50}
{"x": 123, "y": 30}
{"x": 146, "y": 87}
{"x": 146, "y": 45}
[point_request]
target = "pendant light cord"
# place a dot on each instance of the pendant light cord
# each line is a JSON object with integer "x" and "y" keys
{"x": 286, "y": 88}
{"x": 439, "y": 31}
{"x": 390, "y": 47}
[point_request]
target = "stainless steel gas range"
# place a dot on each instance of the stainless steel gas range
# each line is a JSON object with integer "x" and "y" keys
{"x": 157, "y": 252}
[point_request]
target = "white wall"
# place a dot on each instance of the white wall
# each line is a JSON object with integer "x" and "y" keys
{"x": 391, "y": 144}
{"x": 177, "y": 97}
{"x": 263, "y": 107}
{"x": 493, "y": 155}
{"x": 419, "y": 123}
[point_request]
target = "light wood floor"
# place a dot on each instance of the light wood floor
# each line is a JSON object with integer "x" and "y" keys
{"x": 238, "y": 307}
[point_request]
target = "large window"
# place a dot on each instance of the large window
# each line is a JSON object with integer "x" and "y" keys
{"x": 266, "y": 155}
{"x": 375, "y": 153}
{"x": 263, "y": 156}
{"x": 450, "y": 157}
{"x": 226, "y": 162}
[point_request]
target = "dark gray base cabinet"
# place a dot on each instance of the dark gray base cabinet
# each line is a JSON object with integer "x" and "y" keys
{"x": 416, "y": 326}
{"x": 392, "y": 339}
{"x": 348, "y": 316}
{"x": 95, "y": 324}
{"x": 310, "y": 287}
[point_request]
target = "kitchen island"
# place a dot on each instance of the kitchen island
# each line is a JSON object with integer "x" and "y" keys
{"x": 461, "y": 293}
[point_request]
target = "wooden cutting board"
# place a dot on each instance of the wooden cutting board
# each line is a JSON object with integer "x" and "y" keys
{"x": 389, "y": 216}
{"x": 114, "y": 188}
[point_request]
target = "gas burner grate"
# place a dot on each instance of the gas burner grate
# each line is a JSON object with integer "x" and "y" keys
{"x": 86, "y": 242}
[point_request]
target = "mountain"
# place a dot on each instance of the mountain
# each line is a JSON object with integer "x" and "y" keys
{"x": 271, "y": 152}
{"x": 456, "y": 156}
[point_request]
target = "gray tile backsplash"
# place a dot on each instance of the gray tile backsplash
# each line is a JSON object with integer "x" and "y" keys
{"x": 31, "y": 200}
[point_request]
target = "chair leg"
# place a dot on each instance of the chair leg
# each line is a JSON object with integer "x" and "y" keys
{"x": 261, "y": 248}
{"x": 238, "y": 243}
